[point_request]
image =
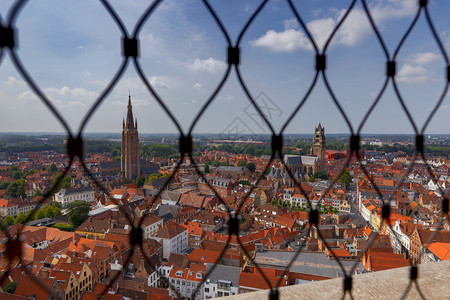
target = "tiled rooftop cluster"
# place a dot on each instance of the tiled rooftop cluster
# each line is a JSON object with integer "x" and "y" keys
{"x": 134, "y": 243}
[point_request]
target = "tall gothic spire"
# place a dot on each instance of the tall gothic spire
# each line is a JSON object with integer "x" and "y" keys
{"x": 130, "y": 122}
{"x": 130, "y": 163}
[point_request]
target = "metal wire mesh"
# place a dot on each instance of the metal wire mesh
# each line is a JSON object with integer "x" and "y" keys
{"x": 130, "y": 54}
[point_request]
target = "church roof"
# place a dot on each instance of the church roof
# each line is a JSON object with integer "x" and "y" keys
{"x": 290, "y": 160}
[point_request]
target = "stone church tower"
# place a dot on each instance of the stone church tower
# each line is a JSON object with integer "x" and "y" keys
{"x": 318, "y": 146}
{"x": 130, "y": 146}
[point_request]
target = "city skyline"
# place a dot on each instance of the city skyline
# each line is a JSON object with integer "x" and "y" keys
{"x": 72, "y": 59}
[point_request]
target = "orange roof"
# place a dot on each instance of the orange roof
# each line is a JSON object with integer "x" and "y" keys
{"x": 196, "y": 272}
{"x": 28, "y": 287}
{"x": 441, "y": 250}
{"x": 257, "y": 281}
{"x": 339, "y": 253}
{"x": 204, "y": 256}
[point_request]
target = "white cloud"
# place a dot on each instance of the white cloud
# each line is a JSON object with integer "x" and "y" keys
{"x": 412, "y": 74}
{"x": 159, "y": 82}
{"x": 354, "y": 30}
{"x": 423, "y": 58}
{"x": 79, "y": 93}
{"x": 63, "y": 97}
{"x": 321, "y": 30}
{"x": 210, "y": 65}
{"x": 392, "y": 9}
{"x": 13, "y": 81}
{"x": 198, "y": 86}
{"x": 285, "y": 41}
{"x": 27, "y": 96}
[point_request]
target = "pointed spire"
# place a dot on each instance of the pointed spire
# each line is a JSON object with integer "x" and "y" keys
{"x": 123, "y": 124}
{"x": 130, "y": 123}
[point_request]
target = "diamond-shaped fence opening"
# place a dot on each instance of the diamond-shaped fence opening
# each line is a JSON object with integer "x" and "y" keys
{"x": 115, "y": 261}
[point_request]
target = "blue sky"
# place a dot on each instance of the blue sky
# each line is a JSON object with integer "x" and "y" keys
{"x": 73, "y": 48}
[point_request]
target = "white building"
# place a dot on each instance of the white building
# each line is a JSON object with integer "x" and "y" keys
{"x": 294, "y": 199}
{"x": 222, "y": 281}
{"x": 400, "y": 237}
{"x": 151, "y": 224}
{"x": 66, "y": 196}
{"x": 7, "y": 208}
{"x": 187, "y": 283}
{"x": 173, "y": 237}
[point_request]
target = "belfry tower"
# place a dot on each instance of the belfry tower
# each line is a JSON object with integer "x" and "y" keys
{"x": 130, "y": 146}
{"x": 318, "y": 146}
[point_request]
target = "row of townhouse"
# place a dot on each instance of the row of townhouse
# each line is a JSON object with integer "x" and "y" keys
{"x": 75, "y": 278}
{"x": 297, "y": 199}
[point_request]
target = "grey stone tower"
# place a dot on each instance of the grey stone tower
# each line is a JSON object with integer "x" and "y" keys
{"x": 318, "y": 146}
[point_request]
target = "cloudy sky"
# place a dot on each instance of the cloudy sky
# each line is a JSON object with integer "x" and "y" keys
{"x": 73, "y": 48}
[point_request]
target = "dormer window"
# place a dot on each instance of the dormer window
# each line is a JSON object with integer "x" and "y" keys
{"x": 179, "y": 273}
{"x": 199, "y": 275}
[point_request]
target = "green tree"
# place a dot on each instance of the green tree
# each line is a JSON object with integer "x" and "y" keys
{"x": 66, "y": 182}
{"x": 321, "y": 175}
{"x": 252, "y": 167}
{"x": 140, "y": 182}
{"x": 4, "y": 185}
{"x": 20, "y": 219}
{"x": 11, "y": 287}
{"x": 242, "y": 163}
{"x": 9, "y": 220}
{"x": 53, "y": 168}
{"x": 31, "y": 172}
{"x": 17, "y": 175}
{"x": 155, "y": 176}
{"x": 345, "y": 178}
{"x": 13, "y": 168}
{"x": 16, "y": 189}
{"x": 39, "y": 214}
{"x": 56, "y": 210}
{"x": 30, "y": 216}
{"x": 48, "y": 211}
{"x": 116, "y": 151}
{"x": 77, "y": 211}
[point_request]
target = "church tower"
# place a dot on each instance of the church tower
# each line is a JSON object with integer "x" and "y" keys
{"x": 130, "y": 146}
{"x": 318, "y": 146}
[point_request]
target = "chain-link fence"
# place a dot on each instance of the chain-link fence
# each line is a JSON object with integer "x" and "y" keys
{"x": 130, "y": 44}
